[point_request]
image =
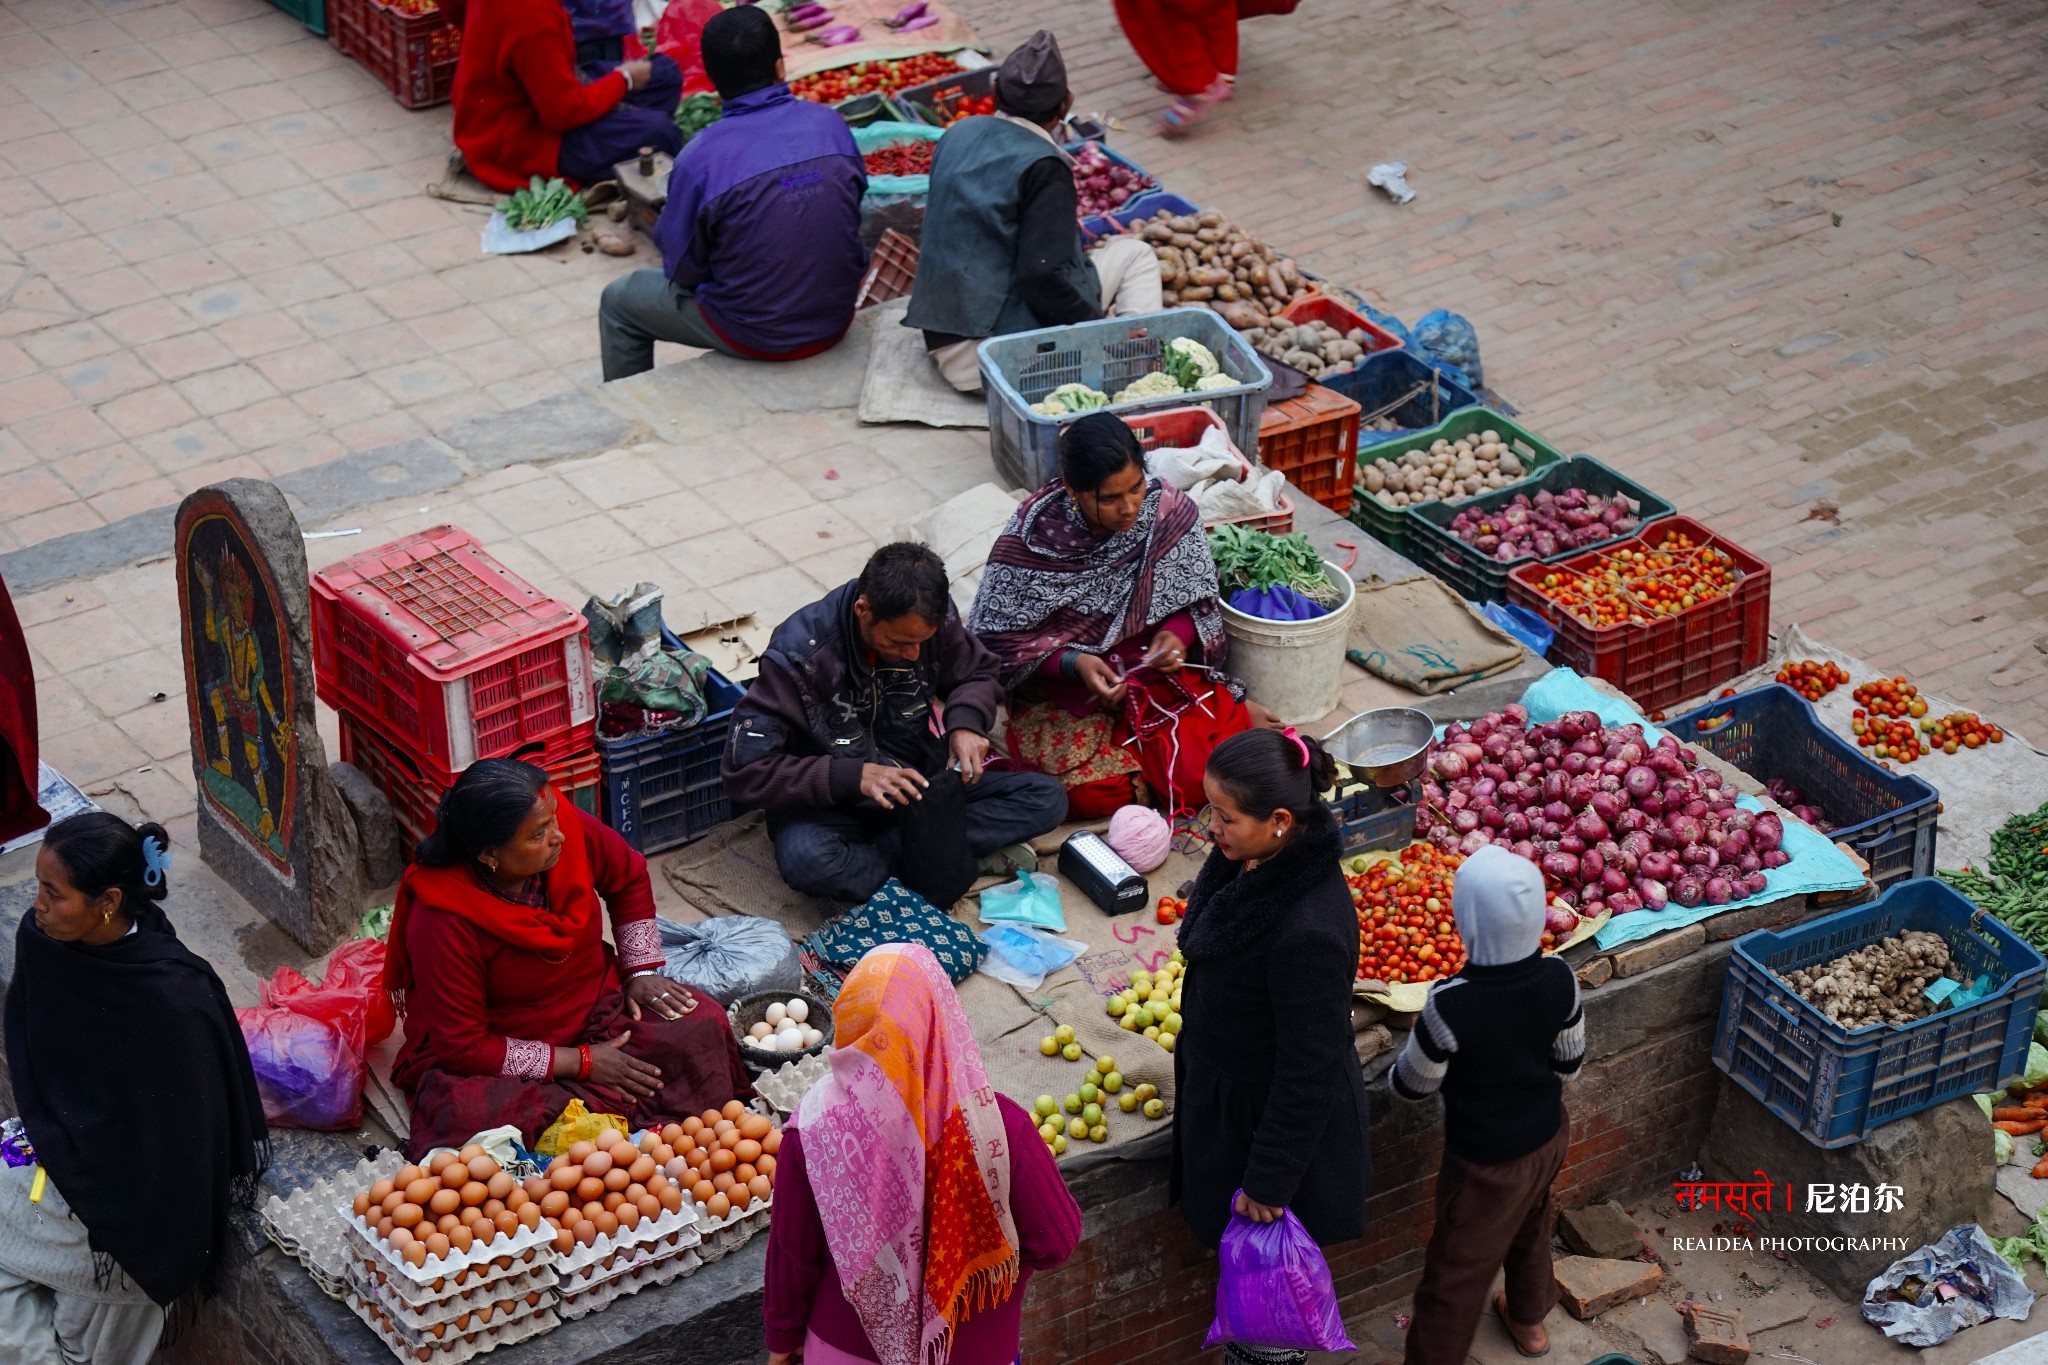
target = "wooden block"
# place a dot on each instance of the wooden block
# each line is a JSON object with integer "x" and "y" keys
{"x": 1596, "y": 973}
{"x": 1589, "y": 1286}
{"x": 1637, "y": 958}
{"x": 1769, "y": 915}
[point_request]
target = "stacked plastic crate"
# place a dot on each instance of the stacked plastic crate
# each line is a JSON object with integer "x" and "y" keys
{"x": 436, "y": 655}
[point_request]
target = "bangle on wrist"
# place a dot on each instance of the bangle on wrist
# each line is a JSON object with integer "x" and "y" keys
{"x": 583, "y": 1061}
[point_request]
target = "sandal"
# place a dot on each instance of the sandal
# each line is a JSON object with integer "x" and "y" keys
{"x": 1500, "y": 1306}
{"x": 1185, "y": 112}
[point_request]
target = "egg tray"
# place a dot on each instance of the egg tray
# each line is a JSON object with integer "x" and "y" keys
{"x": 784, "y": 1086}
{"x": 304, "y": 1225}
{"x": 729, "y": 1234}
{"x": 622, "y": 1262}
{"x": 416, "y": 1316}
{"x": 440, "y": 1290}
{"x": 468, "y": 1346}
{"x": 677, "y": 1227}
{"x": 661, "y": 1270}
{"x": 478, "y": 1265}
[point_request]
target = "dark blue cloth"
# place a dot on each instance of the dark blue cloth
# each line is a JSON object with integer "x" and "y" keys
{"x": 1278, "y": 603}
{"x": 762, "y": 223}
{"x": 590, "y": 19}
{"x": 645, "y": 118}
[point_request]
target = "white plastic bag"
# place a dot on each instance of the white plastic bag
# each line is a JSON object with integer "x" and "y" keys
{"x": 1987, "y": 1287}
{"x": 500, "y": 240}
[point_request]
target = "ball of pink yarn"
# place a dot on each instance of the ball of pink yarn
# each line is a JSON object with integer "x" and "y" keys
{"x": 1140, "y": 836}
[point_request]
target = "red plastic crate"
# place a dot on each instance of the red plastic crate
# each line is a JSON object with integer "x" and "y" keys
{"x": 1182, "y": 429}
{"x": 892, "y": 266}
{"x": 1320, "y": 307}
{"x": 449, "y": 654}
{"x": 414, "y": 789}
{"x": 412, "y": 54}
{"x": 1670, "y": 658}
{"x": 1313, "y": 440}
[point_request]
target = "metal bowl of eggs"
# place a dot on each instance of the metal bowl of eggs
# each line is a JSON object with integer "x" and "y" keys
{"x": 780, "y": 1026}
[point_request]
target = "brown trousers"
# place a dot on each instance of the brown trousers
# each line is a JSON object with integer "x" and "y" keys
{"x": 1487, "y": 1217}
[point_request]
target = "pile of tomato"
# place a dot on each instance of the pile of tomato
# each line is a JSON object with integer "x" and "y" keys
{"x": 885, "y": 76}
{"x": 1404, "y": 917}
{"x": 1642, "y": 585}
{"x": 951, "y": 112}
{"x": 1813, "y": 679}
{"x": 1893, "y": 697}
{"x": 1886, "y": 737}
{"x": 910, "y": 158}
{"x": 1171, "y": 909}
{"x": 1960, "y": 730}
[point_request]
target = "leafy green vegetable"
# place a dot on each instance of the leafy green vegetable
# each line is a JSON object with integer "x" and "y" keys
{"x": 2029, "y": 1245}
{"x": 2016, "y": 887}
{"x": 1256, "y": 559}
{"x": 697, "y": 113}
{"x": 541, "y": 203}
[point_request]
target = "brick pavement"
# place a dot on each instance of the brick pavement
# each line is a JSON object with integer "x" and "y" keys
{"x": 215, "y": 259}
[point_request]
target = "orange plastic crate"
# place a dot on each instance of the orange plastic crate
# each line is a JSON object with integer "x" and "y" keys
{"x": 1313, "y": 440}
{"x": 892, "y": 266}
{"x": 413, "y": 54}
{"x": 1182, "y": 429}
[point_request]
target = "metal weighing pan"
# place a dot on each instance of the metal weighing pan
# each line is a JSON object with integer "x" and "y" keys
{"x": 1386, "y": 747}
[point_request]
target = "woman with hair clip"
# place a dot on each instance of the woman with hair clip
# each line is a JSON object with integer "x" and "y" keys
{"x": 136, "y": 1094}
{"x": 513, "y": 1001}
{"x": 1271, "y": 1111}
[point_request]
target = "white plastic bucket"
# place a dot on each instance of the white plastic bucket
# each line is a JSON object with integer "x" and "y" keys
{"x": 1293, "y": 668}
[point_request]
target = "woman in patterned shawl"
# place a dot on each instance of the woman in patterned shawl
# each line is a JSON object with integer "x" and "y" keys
{"x": 1100, "y": 601}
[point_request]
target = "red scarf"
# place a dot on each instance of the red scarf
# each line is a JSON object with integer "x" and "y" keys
{"x": 551, "y": 931}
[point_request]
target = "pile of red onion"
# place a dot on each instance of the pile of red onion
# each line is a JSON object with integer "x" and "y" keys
{"x": 1549, "y": 524}
{"x": 1615, "y": 821}
{"x": 1794, "y": 800}
{"x": 1105, "y": 184}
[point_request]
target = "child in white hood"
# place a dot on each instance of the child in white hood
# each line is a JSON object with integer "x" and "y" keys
{"x": 1498, "y": 1040}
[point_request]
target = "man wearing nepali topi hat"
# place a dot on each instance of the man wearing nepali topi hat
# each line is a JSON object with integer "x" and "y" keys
{"x": 1002, "y": 250}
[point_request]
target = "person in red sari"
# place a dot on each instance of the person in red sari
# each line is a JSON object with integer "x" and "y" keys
{"x": 1190, "y": 47}
{"x": 512, "y": 1000}
{"x": 1100, "y": 603}
{"x": 19, "y": 770}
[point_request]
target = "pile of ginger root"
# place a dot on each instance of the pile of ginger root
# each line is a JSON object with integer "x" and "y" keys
{"x": 1881, "y": 983}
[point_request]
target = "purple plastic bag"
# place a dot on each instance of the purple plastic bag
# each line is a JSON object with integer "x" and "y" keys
{"x": 1274, "y": 1289}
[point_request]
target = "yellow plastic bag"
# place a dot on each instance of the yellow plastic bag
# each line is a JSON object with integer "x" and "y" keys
{"x": 577, "y": 1124}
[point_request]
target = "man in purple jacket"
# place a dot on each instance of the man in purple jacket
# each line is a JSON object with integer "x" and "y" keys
{"x": 760, "y": 238}
{"x": 871, "y": 712}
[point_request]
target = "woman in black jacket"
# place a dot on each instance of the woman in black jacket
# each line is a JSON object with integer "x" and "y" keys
{"x": 1271, "y": 1098}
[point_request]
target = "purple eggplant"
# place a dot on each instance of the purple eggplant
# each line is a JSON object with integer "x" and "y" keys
{"x": 923, "y": 21}
{"x": 907, "y": 14}
{"x": 839, "y": 36}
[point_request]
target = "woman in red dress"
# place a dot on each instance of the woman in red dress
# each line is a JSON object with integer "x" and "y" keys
{"x": 1190, "y": 46}
{"x": 512, "y": 999}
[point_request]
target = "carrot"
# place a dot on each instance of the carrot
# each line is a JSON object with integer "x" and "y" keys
{"x": 2017, "y": 1113}
{"x": 2020, "y": 1129}
{"x": 2036, "y": 1100}
{"x": 2041, "y": 1169}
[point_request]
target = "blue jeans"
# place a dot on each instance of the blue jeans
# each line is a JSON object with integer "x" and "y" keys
{"x": 846, "y": 855}
{"x": 645, "y": 118}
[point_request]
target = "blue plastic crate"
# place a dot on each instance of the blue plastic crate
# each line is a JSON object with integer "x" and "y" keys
{"x": 1022, "y": 368}
{"x": 1772, "y": 731}
{"x": 664, "y": 790}
{"x": 1136, "y": 210}
{"x": 1401, "y": 386}
{"x": 1837, "y": 1085}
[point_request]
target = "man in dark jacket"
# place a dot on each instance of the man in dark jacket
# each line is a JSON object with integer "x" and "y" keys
{"x": 760, "y": 237}
{"x": 873, "y": 705}
{"x": 1002, "y": 249}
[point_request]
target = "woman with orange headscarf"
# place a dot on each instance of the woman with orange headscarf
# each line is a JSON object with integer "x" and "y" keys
{"x": 912, "y": 1202}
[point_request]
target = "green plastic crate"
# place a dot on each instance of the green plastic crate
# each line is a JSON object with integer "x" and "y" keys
{"x": 1389, "y": 525}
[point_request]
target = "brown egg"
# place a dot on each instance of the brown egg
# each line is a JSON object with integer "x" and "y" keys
{"x": 672, "y": 1198}
{"x": 438, "y": 1244}
{"x": 730, "y": 1139}
{"x": 744, "y": 1172}
{"x": 500, "y": 1185}
{"x": 416, "y": 1254}
{"x": 518, "y": 1200}
{"x": 671, "y": 1133}
{"x": 445, "y": 1200}
{"x": 507, "y": 1221}
{"x": 766, "y": 1165}
{"x": 482, "y": 1168}
{"x": 384, "y": 1226}
{"x": 649, "y": 1206}
{"x": 475, "y": 1192}
{"x": 746, "y": 1149}
{"x": 399, "y": 1238}
{"x": 407, "y": 1215}
{"x": 470, "y": 1153}
{"x": 439, "y": 1162}
{"x": 461, "y": 1239}
{"x": 606, "y": 1224}
{"x": 535, "y": 1186}
{"x": 565, "y": 1177}
{"x": 392, "y": 1201}
{"x": 723, "y": 1182}
{"x": 553, "y": 1202}
{"x": 628, "y": 1216}
{"x": 617, "y": 1178}
{"x": 380, "y": 1189}
{"x": 597, "y": 1163}
{"x": 723, "y": 1160}
{"x": 703, "y": 1190}
{"x": 733, "y": 1109}
{"x": 717, "y": 1206}
{"x": 657, "y": 1182}
{"x": 447, "y": 1222}
{"x": 589, "y": 1188}
{"x": 609, "y": 1138}
{"x": 533, "y": 1298}
{"x": 711, "y": 1117}
{"x": 634, "y": 1191}
{"x": 760, "y": 1187}
{"x": 642, "y": 1168}
{"x": 773, "y": 1142}
{"x": 724, "y": 1126}
{"x": 612, "y": 1201}
{"x": 755, "y": 1127}
{"x": 470, "y": 1215}
{"x": 691, "y": 1126}
{"x": 592, "y": 1209}
{"x": 580, "y": 1150}
{"x": 565, "y": 1241}
{"x": 528, "y": 1215}
{"x": 362, "y": 1205}
{"x": 663, "y": 1153}
{"x": 406, "y": 1175}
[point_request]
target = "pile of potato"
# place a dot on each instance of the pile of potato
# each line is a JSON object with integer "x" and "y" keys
{"x": 1447, "y": 471}
{"x": 1315, "y": 348}
{"x": 1878, "y": 984}
{"x": 1204, "y": 260}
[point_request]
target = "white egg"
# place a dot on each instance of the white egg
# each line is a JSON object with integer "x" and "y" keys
{"x": 776, "y": 1013}
{"x": 790, "y": 1040}
{"x": 772, "y": 1043}
{"x": 799, "y": 1010}
{"x": 759, "y": 1031}
{"x": 812, "y": 1037}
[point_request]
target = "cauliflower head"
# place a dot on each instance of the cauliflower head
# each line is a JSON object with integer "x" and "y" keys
{"x": 1069, "y": 398}
{"x": 1157, "y": 384}
{"x": 1215, "y": 381}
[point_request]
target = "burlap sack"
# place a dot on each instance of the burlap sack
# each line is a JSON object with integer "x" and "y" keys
{"x": 1419, "y": 634}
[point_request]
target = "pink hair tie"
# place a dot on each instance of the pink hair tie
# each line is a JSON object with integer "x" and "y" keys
{"x": 1299, "y": 744}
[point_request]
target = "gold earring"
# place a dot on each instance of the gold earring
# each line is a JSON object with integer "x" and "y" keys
{"x": 106, "y": 917}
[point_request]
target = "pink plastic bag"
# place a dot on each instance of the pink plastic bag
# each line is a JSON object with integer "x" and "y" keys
{"x": 1274, "y": 1289}
{"x": 308, "y": 1044}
